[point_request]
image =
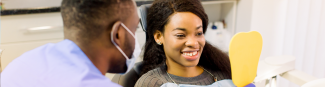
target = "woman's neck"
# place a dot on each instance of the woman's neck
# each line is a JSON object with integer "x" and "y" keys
{"x": 183, "y": 71}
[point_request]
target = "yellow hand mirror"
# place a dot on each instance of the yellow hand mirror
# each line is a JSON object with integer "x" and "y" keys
{"x": 244, "y": 53}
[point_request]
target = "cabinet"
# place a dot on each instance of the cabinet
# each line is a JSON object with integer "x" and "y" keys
{"x": 17, "y": 37}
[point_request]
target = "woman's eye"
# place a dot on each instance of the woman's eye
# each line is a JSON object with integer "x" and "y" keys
{"x": 180, "y": 35}
{"x": 199, "y": 34}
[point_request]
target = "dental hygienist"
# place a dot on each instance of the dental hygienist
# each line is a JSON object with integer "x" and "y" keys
{"x": 99, "y": 38}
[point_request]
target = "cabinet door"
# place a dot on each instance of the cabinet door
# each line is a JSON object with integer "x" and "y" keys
{"x": 31, "y": 27}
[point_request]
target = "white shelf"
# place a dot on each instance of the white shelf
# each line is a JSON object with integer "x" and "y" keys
{"x": 222, "y": 10}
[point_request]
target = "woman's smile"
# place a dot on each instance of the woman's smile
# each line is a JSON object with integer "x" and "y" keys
{"x": 190, "y": 55}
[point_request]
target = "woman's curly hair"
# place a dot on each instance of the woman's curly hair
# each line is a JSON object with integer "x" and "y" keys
{"x": 158, "y": 16}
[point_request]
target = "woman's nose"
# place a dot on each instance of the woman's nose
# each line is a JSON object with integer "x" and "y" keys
{"x": 192, "y": 42}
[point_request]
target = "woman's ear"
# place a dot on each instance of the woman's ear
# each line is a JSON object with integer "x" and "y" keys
{"x": 115, "y": 34}
{"x": 158, "y": 37}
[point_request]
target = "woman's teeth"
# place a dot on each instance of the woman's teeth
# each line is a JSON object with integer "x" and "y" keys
{"x": 190, "y": 53}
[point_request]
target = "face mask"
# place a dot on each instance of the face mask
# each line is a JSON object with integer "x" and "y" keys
{"x": 137, "y": 50}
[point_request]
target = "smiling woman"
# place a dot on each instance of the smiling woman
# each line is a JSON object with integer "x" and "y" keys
{"x": 183, "y": 37}
{"x": 176, "y": 50}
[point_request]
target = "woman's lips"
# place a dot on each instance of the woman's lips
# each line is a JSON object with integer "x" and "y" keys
{"x": 190, "y": 56}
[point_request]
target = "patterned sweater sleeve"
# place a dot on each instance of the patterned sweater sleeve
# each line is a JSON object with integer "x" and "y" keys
{"x": 149, "y": 80}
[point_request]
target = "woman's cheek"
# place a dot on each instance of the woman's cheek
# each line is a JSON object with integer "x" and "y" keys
{"x": 202, "y": 42}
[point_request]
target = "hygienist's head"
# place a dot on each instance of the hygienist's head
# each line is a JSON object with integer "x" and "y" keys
{"x": 91, "y": 23}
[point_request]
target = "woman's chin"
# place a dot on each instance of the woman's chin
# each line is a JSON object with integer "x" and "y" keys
{"x": 191, "y": 64}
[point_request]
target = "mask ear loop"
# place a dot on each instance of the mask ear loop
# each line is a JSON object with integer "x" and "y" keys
{"x": 127, "y": 58}
{"x": 127, "y": 29}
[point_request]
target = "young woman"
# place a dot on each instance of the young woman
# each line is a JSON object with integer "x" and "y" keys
{"x": 176, "y": 50}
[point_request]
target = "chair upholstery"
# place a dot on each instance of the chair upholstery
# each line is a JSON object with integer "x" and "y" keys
{"x": 129, "y": 79}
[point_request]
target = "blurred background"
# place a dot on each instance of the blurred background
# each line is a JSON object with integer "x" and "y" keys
{"x": 290, "y": 28}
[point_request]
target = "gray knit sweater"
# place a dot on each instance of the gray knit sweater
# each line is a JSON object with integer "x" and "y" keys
{"x": 158, "y": 76}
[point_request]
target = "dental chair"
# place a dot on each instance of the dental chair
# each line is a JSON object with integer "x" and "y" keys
{"x": 129, "y": 79}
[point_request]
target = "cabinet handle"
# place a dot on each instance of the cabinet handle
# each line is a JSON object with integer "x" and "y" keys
{"x": 42, "y": 29}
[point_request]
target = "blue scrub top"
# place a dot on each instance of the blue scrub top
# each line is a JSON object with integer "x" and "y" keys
{"x": 54, "y": 65}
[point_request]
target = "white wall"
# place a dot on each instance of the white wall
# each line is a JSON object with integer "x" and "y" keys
{"x": 244, "y": 15}
{"x": 23, "y": 4}
{"x": 268, "y": 18}
{"x": 292, "y": 27}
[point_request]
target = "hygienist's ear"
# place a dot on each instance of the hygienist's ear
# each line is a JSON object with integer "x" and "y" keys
{"x": 158, "y": 37}
{"x": 115, "y": 32}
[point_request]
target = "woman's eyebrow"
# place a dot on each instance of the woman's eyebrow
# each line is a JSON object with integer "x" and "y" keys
{"x": 183, "y": 29}
{"x": 199, "y": 27}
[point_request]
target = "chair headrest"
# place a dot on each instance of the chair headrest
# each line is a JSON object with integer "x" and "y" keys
{"x": 138, "y": 67}
{"x": 143, "y": 14}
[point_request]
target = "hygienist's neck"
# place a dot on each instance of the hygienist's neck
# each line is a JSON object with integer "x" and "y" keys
{"x": 100, "y": 56}
{"x": 183, "y": 71}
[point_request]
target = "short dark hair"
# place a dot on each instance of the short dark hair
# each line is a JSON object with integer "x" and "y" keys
{"x": 92, "y": 17}
{"x": 158, "y": 16}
